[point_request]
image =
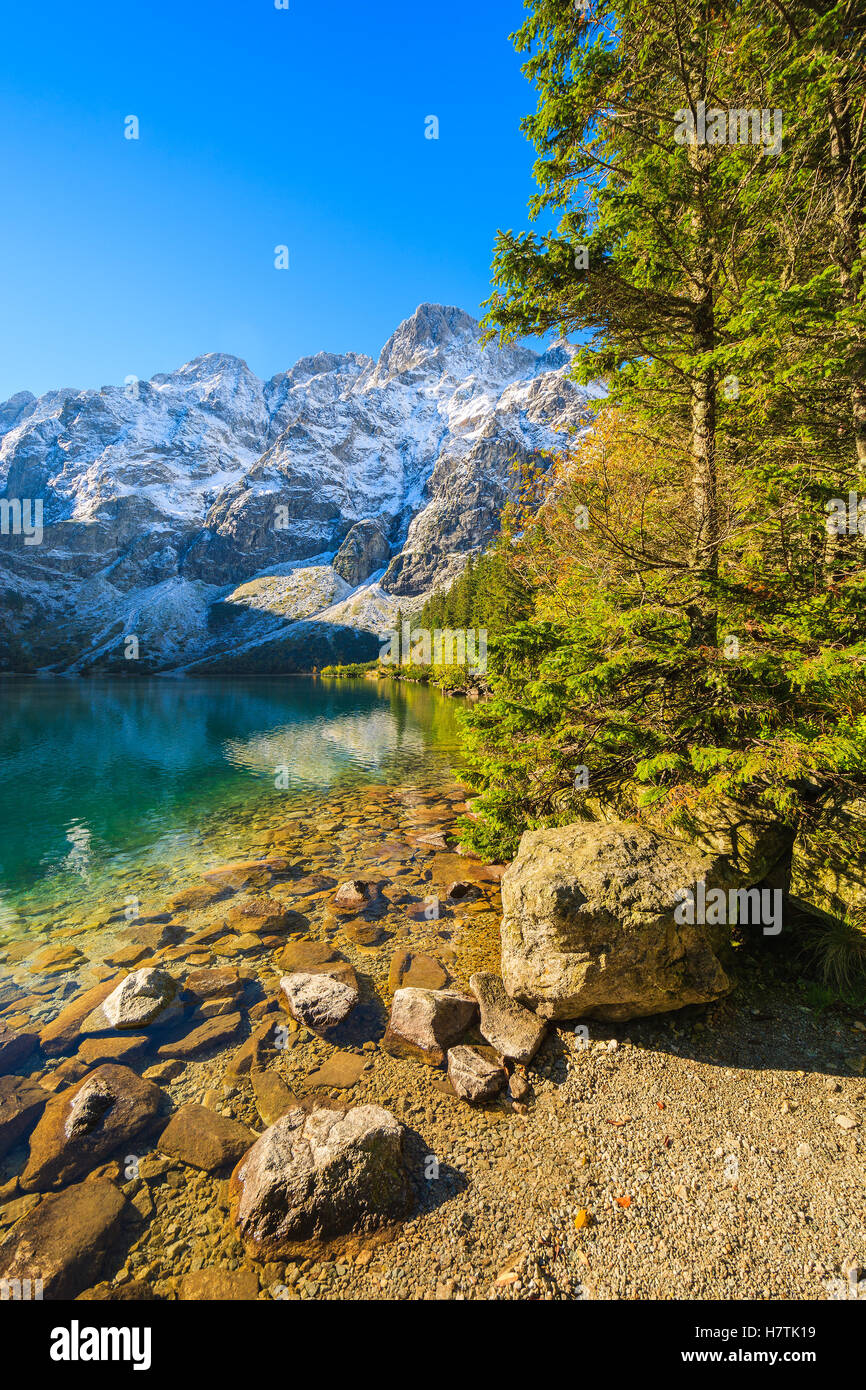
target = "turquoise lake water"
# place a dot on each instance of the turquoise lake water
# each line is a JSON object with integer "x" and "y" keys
{"x": 100, "y": 780}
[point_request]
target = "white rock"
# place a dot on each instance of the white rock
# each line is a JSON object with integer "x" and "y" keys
{"x": 319, "y": 1001}
{"x": 139, "y": 999}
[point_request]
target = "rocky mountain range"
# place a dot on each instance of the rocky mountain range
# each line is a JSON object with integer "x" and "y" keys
{"x": 206, "y": 520}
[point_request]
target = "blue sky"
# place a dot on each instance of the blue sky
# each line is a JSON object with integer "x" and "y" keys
{"x": 258, "y": 127}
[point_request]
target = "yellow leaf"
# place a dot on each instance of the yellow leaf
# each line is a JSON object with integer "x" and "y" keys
{"x": 581, "y": 1219}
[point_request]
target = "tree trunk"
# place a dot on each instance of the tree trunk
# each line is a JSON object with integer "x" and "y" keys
{"x": 848, "y": 209}
{"x": 705, "y": 548}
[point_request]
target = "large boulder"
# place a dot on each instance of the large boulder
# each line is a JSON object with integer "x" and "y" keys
{"x": 83, "y": 1126}
{"x": 424, "y": 1023}
{"x": 320, "y": 1176}
{"x": 828, "y": 865}
{"x": 588, "y": 927}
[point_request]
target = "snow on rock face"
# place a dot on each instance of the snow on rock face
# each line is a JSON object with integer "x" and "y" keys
{"x": 185, "y": 510}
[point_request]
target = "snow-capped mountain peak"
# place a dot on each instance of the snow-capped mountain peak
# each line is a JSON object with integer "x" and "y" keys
{"x": 161, "y": 497}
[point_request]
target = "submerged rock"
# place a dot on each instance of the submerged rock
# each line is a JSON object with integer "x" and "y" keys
{"x": 204, "y": 1139}
{"x": 216, "y": 1032}
{"x": 219, "y": 1286}
{"x": 64, "y": 1241}
{"x": 21, "y": 1103}
{"x": 68, "y": 1027}
{"x": 588, "y": 927}
{"x": 424, "y": 1023}
{"x": 198, "y": 897}
{"x": 14, "y": 1047}
{"x": 511, "y": 1029}
{"x": 214, "y": 982}
{"x": 245, "y": 873}
{"x": 339, "y": 1072}
{"x": 83, "y": 1126}
{"x": 354, "y": 895}
{"x": 264, "y": 915}
{"x": 311, "y": 957}
{"x": 314, "y": 1177}
{"x": 273, "y": 1097}
{"x": 415, "y": 970}
{"x": 474, "y": 1076}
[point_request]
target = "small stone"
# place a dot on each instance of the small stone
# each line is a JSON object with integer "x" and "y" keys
{"x": 364, "y": 933}
{"x": 474, "y": 1076}
{"x": 518, "y": 1087}
{"x": 460, "y": 890}
{"x": 221, "y": 982}
{"x": 273, "y": 1097}
{"x": 339, "y": 1072}
{"x": 163, "y": 1071}
{"x": 354, "y": 895}
{"x": 414, "y": 970}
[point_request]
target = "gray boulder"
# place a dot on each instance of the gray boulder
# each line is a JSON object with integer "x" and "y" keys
{"x": 317, "y": 1176}
{"x": 589, "y": 927}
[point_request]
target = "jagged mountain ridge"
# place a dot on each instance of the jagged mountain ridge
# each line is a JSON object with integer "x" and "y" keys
{"x": 228, "y": 523}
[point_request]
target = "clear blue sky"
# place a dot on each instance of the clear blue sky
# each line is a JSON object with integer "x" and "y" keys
{"x": 258, "y": 127}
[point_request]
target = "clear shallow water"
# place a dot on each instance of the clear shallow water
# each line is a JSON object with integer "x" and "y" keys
{"x": 103, "y": 782}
